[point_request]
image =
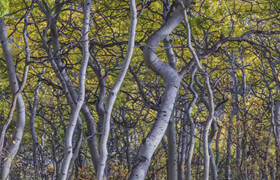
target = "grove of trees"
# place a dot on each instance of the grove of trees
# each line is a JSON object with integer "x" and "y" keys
{"x": 140, "y": 89}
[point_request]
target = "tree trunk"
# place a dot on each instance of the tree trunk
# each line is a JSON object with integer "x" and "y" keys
{"x": 81, "y": 95}
{"x": 217, "y": 147}
{"x": 192, "y": 125}
{"x": 172, "y": 82}
{"x": 17, "y": 136}
{"x": 233, "y": 113}
{"x": 172, "y": 173}
{"x": 210, "y": 103}
{"x": 32, "y": 125}
{"x": 113, "y": 94}
{"x": 276, "y": 131}
{"x": 212, "y": 157}
{"x": 183, "y": 149}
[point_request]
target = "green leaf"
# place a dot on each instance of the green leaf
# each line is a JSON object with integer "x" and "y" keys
{"x": 4, "y": 7}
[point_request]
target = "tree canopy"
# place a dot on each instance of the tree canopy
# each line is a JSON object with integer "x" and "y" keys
{"x": 140, "y": 89}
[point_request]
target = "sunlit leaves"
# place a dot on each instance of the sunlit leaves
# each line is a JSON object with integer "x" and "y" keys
{"x": 4, "y": 7}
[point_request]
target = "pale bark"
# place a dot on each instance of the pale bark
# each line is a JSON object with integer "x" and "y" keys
{"x": 128, "y": 147}
{"x": 96, "y": 67}
{"x": 172, "y": 81}
{"x": 172, "y": 165}
{"x": 81, "y": 95}
{"x": 14, "y": 145}
{"x": 68, "y": 88}
{"x": 76, "y": 151}
{"x": 211, "y": 153}
{"x": 211, "y": 108}
{"x": 17, "y": 102}
{"x": 192, "y": 125}
{"x": 113, "y": 94}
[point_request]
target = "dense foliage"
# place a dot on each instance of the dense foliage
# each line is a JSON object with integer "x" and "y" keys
{"x": 226, "y": 57}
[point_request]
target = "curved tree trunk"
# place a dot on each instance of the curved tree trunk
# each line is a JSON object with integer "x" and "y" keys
{"x": 172, "y": 165}
{"x": 172, "y": 81}
{"x": 14, "y": 145}
{"x": 68, "y": 88}
{"x": 17, "y": 102}
{"x": 192, "y": 125}
{"x": 113, "y": 94}
{"x": 211, "y": 108}
{"x": 81, "y": 95}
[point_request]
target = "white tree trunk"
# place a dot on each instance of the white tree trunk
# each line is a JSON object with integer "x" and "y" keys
{"x": 68, "y": 88}
{"x": 113, "y": 94}
{"x": 192, "y": 125}
{"x": 17, "y": 98}
{"x": 172, "y": 81}
{"x": 81, "y": 95}
{"x": 211, "y": 108}
{"x": 14, "y": 145}
{"x": 172, "y": 165}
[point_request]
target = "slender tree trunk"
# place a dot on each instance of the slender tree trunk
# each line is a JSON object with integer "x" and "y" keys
{"x": 17, "y": 102}
{"x": 192, "y": 125}
{"x": 69, "y": 91}
{"x": 172, "y": 173}
{"x": 128, "y": 148}
{"x": 76, "y": 151}
{"x": 218, "y": 147}
{"x": 229, "y": 144}
{"x": 71, "y": 95}
{"x": 233, "y": 113}
{"x": 241, "y": 143}
{"x": 238, "y": 146}
{"x": 14, "y": 145}
{"x": 68, "y": 88}
{"x": 211, "y": 108}
{"x": 183, "y": 144}
{"x": 265, "y": 170}
{"x": 211, "y": 153}
{"x": 276, "y": 131}
{"x": 80, "y": 101}
{"x": 197, "y": 175}
{"x": 32, "y": 125}
{"x": 91, "y": 135}
{"x": 113, "y": 94}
